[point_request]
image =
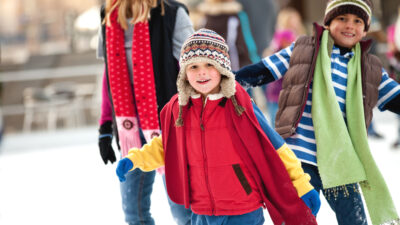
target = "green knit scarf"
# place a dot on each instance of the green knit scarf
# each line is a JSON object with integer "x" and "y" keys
{"x": 343, "y": 153}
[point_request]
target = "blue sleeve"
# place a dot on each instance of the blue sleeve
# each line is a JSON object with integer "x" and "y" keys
{"x": 275, "y": 139}
{"x": 278, "y": 63}
{"x": 388, "y": 90}
{"x": 253, "y": 75}
{"x": 269, "y": 69}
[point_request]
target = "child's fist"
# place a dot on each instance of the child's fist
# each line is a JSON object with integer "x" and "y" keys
{"x": 312, "y": 200}
{"x": 124, "y": 165}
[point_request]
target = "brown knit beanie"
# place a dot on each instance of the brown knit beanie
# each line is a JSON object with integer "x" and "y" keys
{"x": 361, "y": 8}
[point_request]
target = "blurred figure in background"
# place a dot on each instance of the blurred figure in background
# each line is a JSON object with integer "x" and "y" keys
{"x": 393, "y": 56}
{"x": 288, "y": 27}
{"x": 227, "y": 18}
{"x": 140, "y": 43}
{"x": 262, "y": 16}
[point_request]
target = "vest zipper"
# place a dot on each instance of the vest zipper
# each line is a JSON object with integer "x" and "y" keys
{"x": 205, "y": 163}
{"x": 307, "y": 87}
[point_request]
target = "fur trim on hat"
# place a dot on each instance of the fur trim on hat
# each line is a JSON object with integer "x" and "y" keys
{"x": 361, "y": 8}
{"x": 217, "y": 8}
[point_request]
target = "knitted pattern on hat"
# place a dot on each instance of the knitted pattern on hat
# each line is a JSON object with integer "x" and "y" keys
{"x": 205, "y": 46}
{"x": 361, "y": 8}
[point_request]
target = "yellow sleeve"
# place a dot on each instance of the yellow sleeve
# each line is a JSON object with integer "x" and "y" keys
{"x": 301, "y": 180}
{"x": 149, "y": 157}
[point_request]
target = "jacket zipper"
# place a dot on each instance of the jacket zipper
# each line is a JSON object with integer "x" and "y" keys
{"x": 205, "y": 162}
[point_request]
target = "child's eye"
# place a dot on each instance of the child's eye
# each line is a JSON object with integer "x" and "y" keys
{"x": 359, "y": 21}
{"x": 210, "y": 65}
{"x": 193, "y": 67}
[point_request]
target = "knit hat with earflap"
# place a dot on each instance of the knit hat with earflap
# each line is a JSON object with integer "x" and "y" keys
{"x": 205, "y": 46}
{"x": 361, "y": 8}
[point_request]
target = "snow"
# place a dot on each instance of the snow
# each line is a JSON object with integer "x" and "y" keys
{"x": 59, "y": 178}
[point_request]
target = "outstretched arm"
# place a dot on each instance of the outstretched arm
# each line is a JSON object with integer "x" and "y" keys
{"x": 292, "y": 163}
{"x": 269, "y": 69}
{"x": 300, "y": 180}
{"x": 148, "y": 158}
{"x": 389, "y": 94}
{"x": 393, "y": 105}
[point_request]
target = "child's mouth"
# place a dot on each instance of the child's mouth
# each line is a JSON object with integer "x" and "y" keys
{"x": 203, "y": 81}
{"x": 348, "y": 34}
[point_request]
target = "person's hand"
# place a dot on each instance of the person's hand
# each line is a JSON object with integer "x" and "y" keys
{"x": 311, "y": 199}
{"x": 124, "y": 165}
{"x": 105, "y": 140}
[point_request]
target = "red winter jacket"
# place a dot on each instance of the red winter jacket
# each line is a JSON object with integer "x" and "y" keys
{"x": 255, "y": 151}
{"x": 220, "y": 183}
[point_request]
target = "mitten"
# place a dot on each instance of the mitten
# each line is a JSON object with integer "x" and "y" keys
{"x": 311, "y": 199}
{"x": 105, "y": 140}
{"x": 124, "y": 165}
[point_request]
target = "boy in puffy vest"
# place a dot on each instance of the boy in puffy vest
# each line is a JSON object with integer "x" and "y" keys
{"x": 330, "y": 86}
{"x": 221, "y": 158}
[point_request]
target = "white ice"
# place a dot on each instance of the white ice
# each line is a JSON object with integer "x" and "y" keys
{"x": 59, "y": 178}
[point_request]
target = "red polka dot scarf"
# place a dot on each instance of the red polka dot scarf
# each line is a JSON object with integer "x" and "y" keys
{"x": 120, "y": 85}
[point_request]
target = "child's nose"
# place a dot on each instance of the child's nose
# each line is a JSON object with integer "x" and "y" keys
{"x": 350, "y": 24}
{"x": 202, "y": 71}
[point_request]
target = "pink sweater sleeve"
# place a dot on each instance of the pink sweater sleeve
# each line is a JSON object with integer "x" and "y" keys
{"x": 106, "y": 110}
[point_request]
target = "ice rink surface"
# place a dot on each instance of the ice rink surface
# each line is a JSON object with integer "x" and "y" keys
{"x": 58, "y": 178}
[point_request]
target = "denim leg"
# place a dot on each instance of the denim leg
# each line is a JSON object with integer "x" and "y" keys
{"x": 313, "y": 172}
{"x": 135, "y": 192}
{"x": 252, "y": 218}
{"x": 181, "y": 215}
{"x": 348, "y": 207}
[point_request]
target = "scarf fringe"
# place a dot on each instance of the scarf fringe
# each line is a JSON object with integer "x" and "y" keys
{"x": 393, "y": 222}
{"x": 335, "y": 191}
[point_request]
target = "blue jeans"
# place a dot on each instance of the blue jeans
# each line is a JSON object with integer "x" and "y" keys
{"x": 135, "y": 192}
{"x": 348, "y": 207}
{"x": 252, "y": 218}
{"x": 181, "y": 214}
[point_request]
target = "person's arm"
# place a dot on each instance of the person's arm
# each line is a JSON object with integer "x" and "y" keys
{"x": 393, "y": 105}
{"x": 389, "y": 94}
{"x": 106, "y": 108}
{"x": 269, "y": 69}
{"x": 149, "y": 157}
{"x": 300, "y": 180}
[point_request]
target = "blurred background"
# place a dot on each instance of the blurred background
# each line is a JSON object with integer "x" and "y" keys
{"x": 49, "y": 75}
{"x": 50, "y": 95}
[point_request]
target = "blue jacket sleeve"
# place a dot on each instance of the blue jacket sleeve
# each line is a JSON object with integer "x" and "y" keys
{"x": 254, "y": 75}
{"x": 276, "y": 140}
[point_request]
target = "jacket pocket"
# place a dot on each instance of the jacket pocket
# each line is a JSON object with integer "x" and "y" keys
{"x": 242, "y": 178}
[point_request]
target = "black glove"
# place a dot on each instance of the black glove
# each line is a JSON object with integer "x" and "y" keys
{"x": 105, "y": 140}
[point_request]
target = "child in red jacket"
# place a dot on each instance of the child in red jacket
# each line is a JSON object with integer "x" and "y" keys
{"x": 221, "y": 158}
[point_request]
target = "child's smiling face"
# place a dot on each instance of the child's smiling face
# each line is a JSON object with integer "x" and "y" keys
{"x": 347, "y": 30}
{"x": 204, "y": 78}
